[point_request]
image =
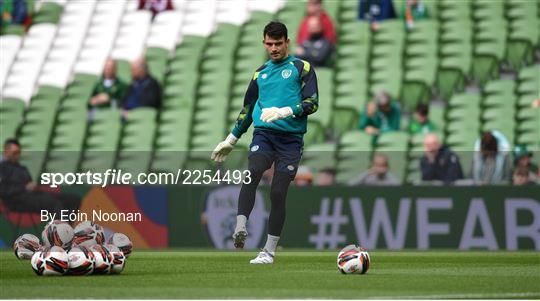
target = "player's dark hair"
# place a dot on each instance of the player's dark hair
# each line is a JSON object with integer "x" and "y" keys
{"x": 422, "y": 109}
{"x": 275, "y": 30}
{"x": 11, "y": 141}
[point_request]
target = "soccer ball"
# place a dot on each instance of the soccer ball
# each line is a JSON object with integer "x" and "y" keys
{"x": 81, "y": 261}
{"x": 57, "y": 233}
{"x": 103, "y": 259}
{"x": 119, "y": 260}
{"x": 88, "y": 234}
{"x": 55, "y": 261}
{"x": 122, "y": 242}
{"x": 38, "y": 265}
{"x": 353, "y": 260}
{"x": 26, "y": 245}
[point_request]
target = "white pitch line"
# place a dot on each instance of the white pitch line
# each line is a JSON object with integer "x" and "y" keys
{"x": 464, "y": 296}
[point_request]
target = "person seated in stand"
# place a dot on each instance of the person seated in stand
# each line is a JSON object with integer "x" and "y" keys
{"x": 14, "y": 12}
{"x": 317, "y": 49}
{"x": 144, "y": 90}
{"x": 20, "y": 194}
{"x": 412, "y": 11}
{"x": 325, "y": 177}
{"x": 156, "y": 6}
{"x": 491, "y": 162}
{"x": 421, "y": 123}
{"x": 315, "y": 9}
{"x": 381, "y": 115}
{"x": 108, "y": 91}
{"x": 304, "y": 176}
{"x": 376, "y": 11}
{"x": 378, "y": 175}
{"x": 521, "y": 177}
{"x": 439, "y": 163}
{"x": 522, "y": 158}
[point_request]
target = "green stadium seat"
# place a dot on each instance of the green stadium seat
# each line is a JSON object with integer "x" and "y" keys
{"x": 353, "y": 155}
{"x": 12, "y": 29}
{"x": 48, "y": 13}
{"x": 157, "y": 59}
{"x": 320, "y": 156}
{"x": 394, "y": 145}
{"x": 136, "y": 144}
{"x": 101, "y": 141}
{"x": 12, "y": 111}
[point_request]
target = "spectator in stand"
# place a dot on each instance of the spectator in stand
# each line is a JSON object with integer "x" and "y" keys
{"x": 381, "y": 115}
{"x": 412, "y": 11}
{"x": 304, "y": 176}
{"x": 14, "y": 12}
{"x": 491, "y": 162}
{"x": 144, "y": 90}
{"x": 156, "y": 6}
{"x": 314, "y": 9}
{"x": 376, "y": 11}
{"x": 421, "y": 123}
{"x": 377, "y": 175}
{"x": 521, "y": 177}
{"x": 325, "y": 177}
{"x": 439, "y": 163}
{"x": 522, "y": 159}
{"x": 108, "y": 91}
{"x": 20, "y": 194}
{"x": 317, "y": 49}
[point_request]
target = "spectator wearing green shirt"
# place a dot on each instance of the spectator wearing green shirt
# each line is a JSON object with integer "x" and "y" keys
{"x": 381, "y": 115}
{"x": 108, "y": 91}
{"x": 412, "y": 11}
{"x": 421, "y": 123}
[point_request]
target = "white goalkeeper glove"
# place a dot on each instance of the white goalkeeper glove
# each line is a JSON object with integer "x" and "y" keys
{"x": 223, "y": 149}
{"x": 274, "y": 113}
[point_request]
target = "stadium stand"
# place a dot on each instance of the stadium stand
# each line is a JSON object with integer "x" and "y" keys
{"x": 474, "y": 61}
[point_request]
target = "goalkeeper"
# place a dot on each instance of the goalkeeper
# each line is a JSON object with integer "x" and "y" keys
{"x": 280, "y": 95}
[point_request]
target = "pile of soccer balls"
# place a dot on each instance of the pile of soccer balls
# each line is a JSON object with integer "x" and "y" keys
{"x": 353, "y": 260}
{"x": 79, "y": 251}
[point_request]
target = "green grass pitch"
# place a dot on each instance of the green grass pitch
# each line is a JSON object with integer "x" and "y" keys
{"x": 295, "y": 274}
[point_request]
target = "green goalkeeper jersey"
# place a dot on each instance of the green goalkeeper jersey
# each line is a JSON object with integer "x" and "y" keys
{"x": 290, "y": 82}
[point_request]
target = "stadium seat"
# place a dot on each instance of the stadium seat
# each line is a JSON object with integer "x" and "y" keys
{"x": 9, "y": 45}
{"x": 353, "y": 155}
{"x": 385, "y": 70}
{"x": 489, "y": 39}
{"x": 25, "y": 68}
{"x": 12, "y": 111}
{"x": 67, "y": 43}
{"x": 320, "y": 156}
{"x": 101, "y": 141}
{"x": 131, "y": 36}
{"x": 137, "y": 140}
{"x": 321, "y": 118}
{"x": 48, "y": 13}
{"x": 100, "y": 37}
{"x": 199, "y": 18}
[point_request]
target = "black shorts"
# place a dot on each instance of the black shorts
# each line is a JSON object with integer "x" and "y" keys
{"x": 285, "y": 150}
